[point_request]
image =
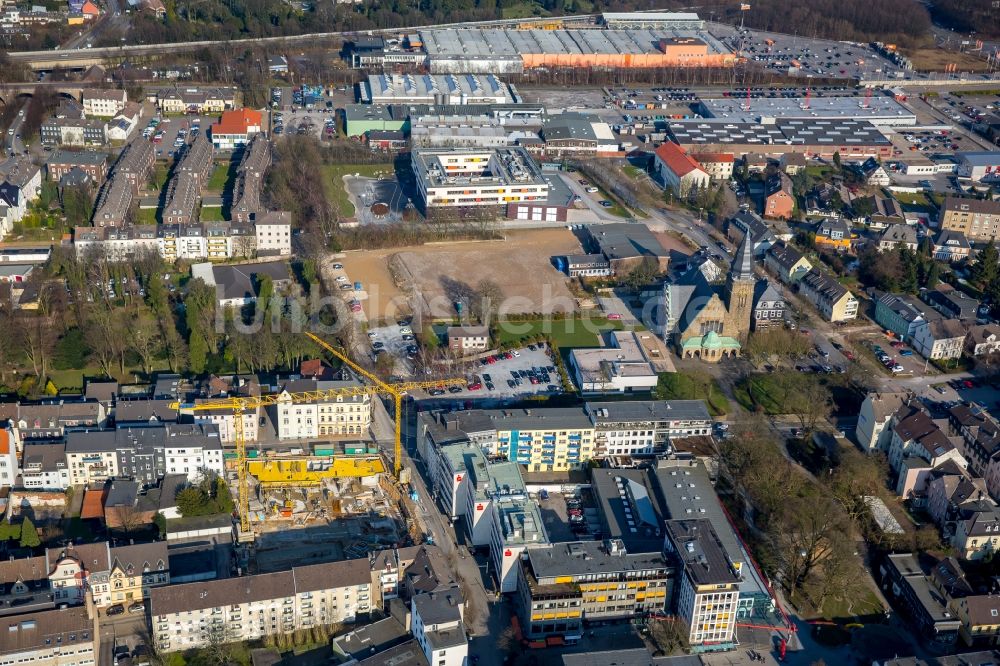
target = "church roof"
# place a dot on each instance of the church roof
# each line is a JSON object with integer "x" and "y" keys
{"x": 742, "y": 268}
{"x": 711, "y": 340}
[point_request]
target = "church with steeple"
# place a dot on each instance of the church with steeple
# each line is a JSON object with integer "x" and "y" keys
{"x": 709, "y": 321}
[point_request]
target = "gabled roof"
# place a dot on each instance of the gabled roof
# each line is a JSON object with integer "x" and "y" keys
{"x": 786, "y": 256}
{"x": 899, "y": 233}
{"x": 678, "y": 161}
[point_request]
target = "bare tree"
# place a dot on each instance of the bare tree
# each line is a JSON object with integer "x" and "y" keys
{"x": 145, "y": 339}
{"x": 36, "y": 338}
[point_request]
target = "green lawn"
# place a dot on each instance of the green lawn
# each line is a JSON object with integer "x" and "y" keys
{"x": 633, "y": 172}
{"x": 212, "y": 214}
{"x": 145, "y": 216}
{"x": 219, "y": 178}
{"x": 336, "y": 172}
{"x": 692, "y": 386}
{"x": 566, "y": 333}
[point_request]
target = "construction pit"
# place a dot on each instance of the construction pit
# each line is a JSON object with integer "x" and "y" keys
{"x": 310, "y": 509}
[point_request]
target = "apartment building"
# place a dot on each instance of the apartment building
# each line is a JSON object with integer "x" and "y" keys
{"x": 68, "y": 131}
{"x": 252, "y": 607}
{"x": 940, "y": 339}
{"x": 196, "y": 100}
{"x": 468, "y": 339}
{"x": 913, "y": 592}
{"x": 51, "y": 419}
{"x": 903, "y": 314}
{"x": 516, "y": 526}
{"x": 717, "y": 165}
{"x": 114, "y": 202}
{"x": 787, "y": 263}
{"x": 917, "y": 445}
{"x": 874, "y": 418}
{"x": 183, "y": 200}
{"x": 116, "y": 243}
{"x": 707, "y": 592}
{"x": 57, "y": 637}
{"x": 273, "y": 233}
{"x": 342, "y": 416}
{"x": 978, "y": 220}
{"x": 833, "y": 300}
{"x": 71, "y": 568}
{"x": 104, "y": 103}
{"x": 144, "y": 454}
{"x": 562, "y": 585}
{"x": 645, "y": 427}
{"x": 43, "y": 466}
{"x": 779, "y": 200}
{"x": 10, "y": 467}
{"x": 135, "y": 570}
{"x": 92, "y": 163}
{"x": 979, "y": 443}
{"x": 438, "y": 627}
{"x": 477, "y": 177}
{"x": 250, "y": 179}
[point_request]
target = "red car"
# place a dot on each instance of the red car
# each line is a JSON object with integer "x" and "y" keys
{"x": 849, "y": 355}
{"x": 967, "y": 384}
{"x": 474, "y": 387}
{"x": 508, "y": 355}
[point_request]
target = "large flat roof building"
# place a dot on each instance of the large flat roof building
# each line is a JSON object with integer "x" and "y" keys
{"x": 477, "y": 177}
{"x": 851, "y": 138}
{"x": 435, "y": 89}
{"x": 668, "y": 20}
{"x": 881, "y": 110}
{"x": 513, "y": 51}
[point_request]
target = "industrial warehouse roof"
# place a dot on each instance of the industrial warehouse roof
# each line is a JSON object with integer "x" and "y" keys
{"x": 980, "y": 158}
{"x": 783, "y": 131}
{"x": 880, "y": 110}
{"x": 626, "y": 241}
{"x": 408, "y": 86}
{"x": 466, "y": 42}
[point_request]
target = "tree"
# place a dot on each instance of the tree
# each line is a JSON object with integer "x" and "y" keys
{"x": 191, "y": 501}
{"x": 836, "y": 160}
{"x": 129, "y": 519}
{"x": 35, "y": 338}
{"x": 197, "y": 353}
{"x": 487, "y": 300}
{"x": 987, "y": 266}
{"x": 145, "y": 339}
{"x": 642, "y": 274}
{"x": 161, "y": 524}
{"x": 857, "y": 476}
{"x": 29, "y": 534}
{"x": 808, "y": 527}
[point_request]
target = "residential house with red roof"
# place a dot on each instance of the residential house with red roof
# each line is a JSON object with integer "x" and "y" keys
{"x": 235, "y": 128}
{"x": 678, "y": 170}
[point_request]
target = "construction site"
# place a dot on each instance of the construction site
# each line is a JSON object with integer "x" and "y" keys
{"x": 339, "y": 500}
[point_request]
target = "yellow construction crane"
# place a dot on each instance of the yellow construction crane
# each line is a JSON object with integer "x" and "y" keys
{"x": 397, "y": 391}
{"x": 239, "y": 406}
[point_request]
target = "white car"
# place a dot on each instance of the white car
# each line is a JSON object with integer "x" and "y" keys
{"x": 372, "y": 334}
{"x": 515, "y": 353}
{"x": 406, "y": 330}
{"x": 341, "y": 278}
{"x": 592, "y": 189}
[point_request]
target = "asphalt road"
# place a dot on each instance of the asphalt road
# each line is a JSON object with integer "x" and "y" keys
{"x": 12, "y": 142}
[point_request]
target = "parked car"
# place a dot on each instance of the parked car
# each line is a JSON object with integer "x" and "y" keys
{"x": 116, "y": 609}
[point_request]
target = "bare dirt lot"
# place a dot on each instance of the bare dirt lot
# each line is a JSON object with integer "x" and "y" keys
{"x": 521, "y": 266}
{"x": 934, "y": 60}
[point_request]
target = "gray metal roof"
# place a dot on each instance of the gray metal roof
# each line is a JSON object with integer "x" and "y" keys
{"x": 626, "y": 241}
{"x": 588, "y": 557}
{"x": 700, "y": 551}
{"x": 146, "y": 439}
{"x": 439, "y": 607}
{"x": 648, "y": 410}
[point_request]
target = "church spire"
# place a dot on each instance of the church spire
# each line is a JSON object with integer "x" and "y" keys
{"x": 742, "y": 267}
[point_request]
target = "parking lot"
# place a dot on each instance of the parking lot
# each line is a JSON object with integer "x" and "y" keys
{"x": 558, "y": 513}
{"x": 170, "y": 126}
{"x": 902, "y": 354}
{"x": 811, "y": 57}
{"x": 290, "y": 116}
{"x": 500, "y": 375}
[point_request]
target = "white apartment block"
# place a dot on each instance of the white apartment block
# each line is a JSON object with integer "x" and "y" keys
{"x": 58, "y": 637}
{"x": 709, "y": 585}
{"x": 225, "y": 421}
{"x": 251, "y": 607}
{"x": 438, "y": 627}
{"x": 91, "y": 466}
{"x": 645, "y": 427}
{"x": 103, "y": 103}
{"x": 477, "y": 177}
{"x": 273, "y": 232}
{"x": 341, "y": 416}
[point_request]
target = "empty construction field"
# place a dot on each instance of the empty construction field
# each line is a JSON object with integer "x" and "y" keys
{"x": 433, "y": 276}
